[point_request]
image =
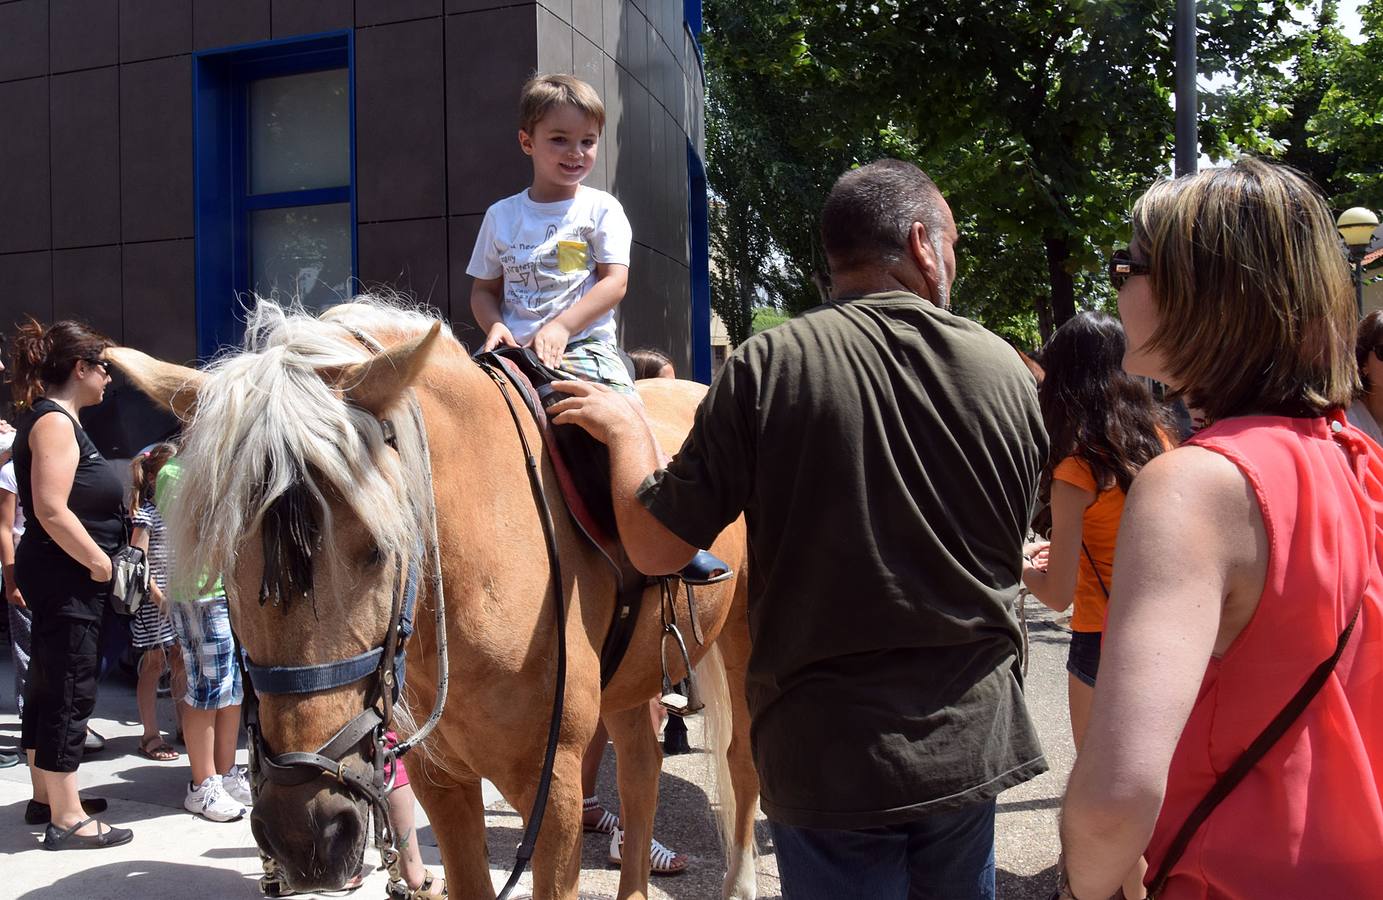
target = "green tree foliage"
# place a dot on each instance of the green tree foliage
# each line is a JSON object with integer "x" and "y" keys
{"x": 1041, "y": 120}
{"x": 1311, "y": 98}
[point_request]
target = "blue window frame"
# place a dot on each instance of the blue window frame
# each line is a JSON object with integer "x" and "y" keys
{"x": 698, "y": 212}
{"x": 246, "y": 208}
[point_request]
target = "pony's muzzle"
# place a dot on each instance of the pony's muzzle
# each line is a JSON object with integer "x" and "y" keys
{"x": 316, "y": 836}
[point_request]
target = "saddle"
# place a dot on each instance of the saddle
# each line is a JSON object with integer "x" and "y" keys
{"x": 582, "y": 466}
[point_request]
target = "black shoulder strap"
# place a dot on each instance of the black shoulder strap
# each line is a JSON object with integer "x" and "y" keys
{"x": 1249, "y": 758}
{"x": 1096, "y": 569}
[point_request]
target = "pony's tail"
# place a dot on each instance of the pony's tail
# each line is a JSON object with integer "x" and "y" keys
{"x": 718, "y": 718}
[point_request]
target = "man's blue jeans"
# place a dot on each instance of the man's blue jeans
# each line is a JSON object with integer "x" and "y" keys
{"x": 948, "y": 856}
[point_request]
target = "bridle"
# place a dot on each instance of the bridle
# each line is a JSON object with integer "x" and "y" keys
{"x": 385, "y": 662}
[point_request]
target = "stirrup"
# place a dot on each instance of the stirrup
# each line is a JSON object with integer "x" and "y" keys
{"x": 705, "y": 569}
{"x": 674, "y": 702}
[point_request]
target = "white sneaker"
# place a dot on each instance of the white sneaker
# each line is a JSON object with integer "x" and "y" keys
{"x": 210, "y": 801}
{"x": 237, "y": 783}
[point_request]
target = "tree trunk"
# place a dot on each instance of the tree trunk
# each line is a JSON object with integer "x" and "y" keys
{"x": 1044, "y": 317}
{"x": 1063, "y": 284}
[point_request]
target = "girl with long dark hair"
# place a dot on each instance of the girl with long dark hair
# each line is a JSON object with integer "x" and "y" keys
{"x": 1104, "y": 427}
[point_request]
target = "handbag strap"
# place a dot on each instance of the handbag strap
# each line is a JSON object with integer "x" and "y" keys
{"x": 1094, "y": 568}
{"x": 1249, "y": 758}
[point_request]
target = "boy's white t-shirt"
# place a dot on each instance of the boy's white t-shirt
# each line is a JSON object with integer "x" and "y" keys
{"x": 547, "y": 253}
{"x": 8, "y": 483}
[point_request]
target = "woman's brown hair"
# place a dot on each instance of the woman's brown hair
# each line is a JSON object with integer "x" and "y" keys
{"x": 1368, "y": 336}
{"x": 41, "y": 357}
{"x": 144, "y": 472}
{"x": 1252, "y": 291}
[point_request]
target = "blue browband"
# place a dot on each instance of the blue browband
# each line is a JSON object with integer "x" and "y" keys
{"x": 325, "y": 676}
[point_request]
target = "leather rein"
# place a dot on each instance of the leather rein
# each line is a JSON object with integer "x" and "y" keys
{"x": 386, "y": 663}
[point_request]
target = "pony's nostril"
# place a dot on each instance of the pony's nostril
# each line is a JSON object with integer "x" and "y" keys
{"x": 339, "y": 835}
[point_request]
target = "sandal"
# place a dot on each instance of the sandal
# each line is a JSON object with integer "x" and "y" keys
{"x": 607, "y": 823}
{"x": 157, "y": 749}
{"x": 663, "y": 861}
{"x": 425, "y": 890}
{"x": 56, "y": 838}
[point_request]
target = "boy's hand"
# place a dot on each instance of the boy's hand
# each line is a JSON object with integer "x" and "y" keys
{"x": 499, "y": 334}
{"x": 550, "y": 343}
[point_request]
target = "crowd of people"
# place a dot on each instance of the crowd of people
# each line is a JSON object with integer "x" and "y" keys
{"x": 890, "y": 458}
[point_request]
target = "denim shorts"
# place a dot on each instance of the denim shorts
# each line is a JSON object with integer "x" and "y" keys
{"x": 1084, "y": 658}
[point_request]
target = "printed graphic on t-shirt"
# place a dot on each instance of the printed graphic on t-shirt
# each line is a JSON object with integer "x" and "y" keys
{"x": 536, "y": 274}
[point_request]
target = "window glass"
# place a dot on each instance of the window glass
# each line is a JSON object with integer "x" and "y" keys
{"x": 302, "y": 253}
{"x": 299, "y": 132}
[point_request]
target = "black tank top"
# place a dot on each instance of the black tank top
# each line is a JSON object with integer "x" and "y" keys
{"x": 97, "y": 496}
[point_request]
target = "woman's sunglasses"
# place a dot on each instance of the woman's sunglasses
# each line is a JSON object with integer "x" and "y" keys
{"x": 1378, "y": 352}
{"x": 1122, "y": 267}
{"x": 98, "y": 364}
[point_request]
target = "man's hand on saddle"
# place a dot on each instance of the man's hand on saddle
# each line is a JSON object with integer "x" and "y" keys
{"x": 499, "y": 334}
{"x": 605, "y": 413}
{"x": 550, "y": 343}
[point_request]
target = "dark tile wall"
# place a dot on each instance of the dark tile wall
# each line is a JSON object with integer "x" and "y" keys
{"x": 96, "y": 158}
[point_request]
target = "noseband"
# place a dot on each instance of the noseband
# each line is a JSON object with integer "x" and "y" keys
{"x": 386, "y": 662}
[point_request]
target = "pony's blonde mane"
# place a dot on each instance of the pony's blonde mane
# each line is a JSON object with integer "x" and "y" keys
{"x": 266, "y": 422}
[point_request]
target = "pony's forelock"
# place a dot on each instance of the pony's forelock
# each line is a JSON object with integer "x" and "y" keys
{"x": 266, "y": 422}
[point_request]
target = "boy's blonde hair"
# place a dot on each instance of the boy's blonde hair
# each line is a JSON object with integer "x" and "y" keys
{"x": 1253, "y": 293}
{"x": 545, "y": 92}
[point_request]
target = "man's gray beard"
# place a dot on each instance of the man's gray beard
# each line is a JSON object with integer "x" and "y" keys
{"x": 943, "y": 284}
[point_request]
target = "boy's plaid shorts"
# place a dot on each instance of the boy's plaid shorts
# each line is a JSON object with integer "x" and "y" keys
{"x": 595, "y": 360}
{"x": 208, "y": 652}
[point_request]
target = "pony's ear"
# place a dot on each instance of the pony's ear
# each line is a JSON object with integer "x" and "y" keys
{"x": 376, "y": 383}
{"x": 171, "y": 386}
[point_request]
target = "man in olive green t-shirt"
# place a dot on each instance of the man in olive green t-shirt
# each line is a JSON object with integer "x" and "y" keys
{"x": 886, "y": 455}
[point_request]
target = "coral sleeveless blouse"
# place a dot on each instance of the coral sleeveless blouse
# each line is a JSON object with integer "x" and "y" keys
{"x": 1307, "y": 821}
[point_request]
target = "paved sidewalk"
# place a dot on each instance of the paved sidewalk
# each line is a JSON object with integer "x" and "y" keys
{"x": 177, "y": 855}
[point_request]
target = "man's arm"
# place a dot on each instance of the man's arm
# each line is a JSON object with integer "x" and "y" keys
{"x": 1187, "y": 541}
{"x": 611, "y": 419}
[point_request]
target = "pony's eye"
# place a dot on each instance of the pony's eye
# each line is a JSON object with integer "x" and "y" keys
{"x": 374, "y": 557}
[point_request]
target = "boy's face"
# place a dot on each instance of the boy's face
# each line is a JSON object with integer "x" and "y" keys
{"x": 563, "y": 147}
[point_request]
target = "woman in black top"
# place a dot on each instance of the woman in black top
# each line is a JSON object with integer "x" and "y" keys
{"x": 63, "y": 566}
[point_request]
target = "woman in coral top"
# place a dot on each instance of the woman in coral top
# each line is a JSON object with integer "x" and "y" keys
{"x": 1244, "y": 555}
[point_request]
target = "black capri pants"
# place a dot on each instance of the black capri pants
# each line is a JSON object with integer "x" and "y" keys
{"x": 64, "y": 663}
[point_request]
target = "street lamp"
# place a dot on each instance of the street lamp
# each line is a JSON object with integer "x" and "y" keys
{"x": 1356, "y": 227}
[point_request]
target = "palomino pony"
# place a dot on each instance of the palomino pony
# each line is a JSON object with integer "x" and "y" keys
{"x": 305, "y": 439}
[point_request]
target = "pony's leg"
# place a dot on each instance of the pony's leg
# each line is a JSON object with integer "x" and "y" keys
{"x": 639, "y": 760}
{"x": 557, "y": 858}
{"x": 741, "y": 881}
{"x": 457, "y": 814}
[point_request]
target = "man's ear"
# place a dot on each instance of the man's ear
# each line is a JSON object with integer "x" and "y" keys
{"x": 923, "y": 255}
{"x": 378, "y": 382}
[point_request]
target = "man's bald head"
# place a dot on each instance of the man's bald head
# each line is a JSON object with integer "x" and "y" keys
{"x": 869, "y": 214}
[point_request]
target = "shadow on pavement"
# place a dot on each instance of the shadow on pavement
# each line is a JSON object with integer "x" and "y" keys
{"x": 145, "y": 878}
{"x": 1008, "y": 886}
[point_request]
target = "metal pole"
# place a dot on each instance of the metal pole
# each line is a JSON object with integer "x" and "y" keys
{"x": 1359, "y": 283}
{"x": 1187, "y": 146}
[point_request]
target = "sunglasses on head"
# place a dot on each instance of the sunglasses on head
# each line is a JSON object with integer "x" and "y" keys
{"x": 1122, "y": 267}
